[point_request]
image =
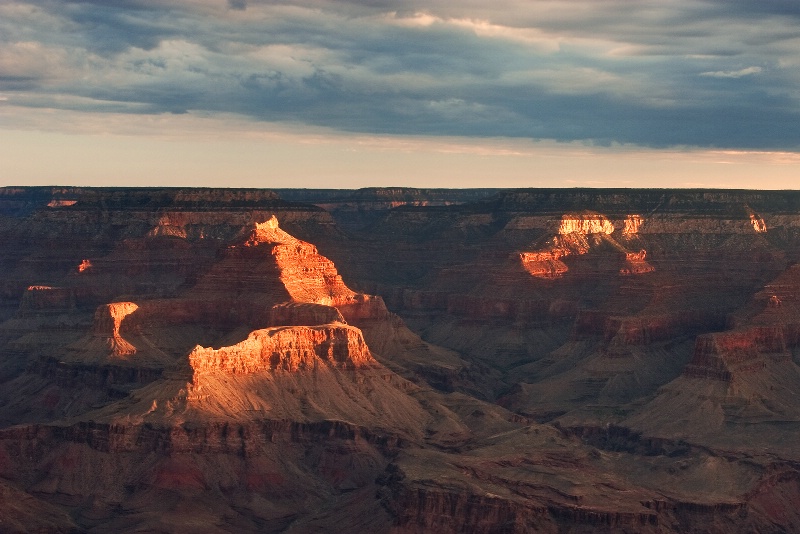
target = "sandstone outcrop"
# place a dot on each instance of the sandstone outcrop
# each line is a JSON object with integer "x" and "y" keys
{"x": 636, "y": 263}
{"x": 545, "y": 264}
{"x": 577, "y": 235}
{"x": 271, "y": 266}
{"x": 585, "y": 223}
{"x": 757, "y": 221}
{"x": 632, "y": 224}
{"x": 106, "y": 329}
{"x": 288, "y": 348}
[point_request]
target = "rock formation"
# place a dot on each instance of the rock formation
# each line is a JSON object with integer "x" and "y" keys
{"x": 290, "y": 348}
{"x": 632, "y": 224}
{"x": 578, "y": 233}
{"x": 106, "y": 329}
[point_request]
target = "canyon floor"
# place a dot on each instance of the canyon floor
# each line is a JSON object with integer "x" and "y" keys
{"x": 399, "y": 360}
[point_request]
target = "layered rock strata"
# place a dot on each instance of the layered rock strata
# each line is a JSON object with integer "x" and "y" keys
{"x": 105, "y": 333}
{"x": 727, "y": 354}
{"x": 577, "y": 235}
{"x": 197, "y": 366}
{"x": 767, "y": 330}
{"x": 288, "y": 348}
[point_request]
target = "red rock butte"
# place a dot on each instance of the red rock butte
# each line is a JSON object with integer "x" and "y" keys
{"x": 288, "y": 348}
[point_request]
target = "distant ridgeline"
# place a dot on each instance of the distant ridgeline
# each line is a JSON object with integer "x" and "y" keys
{"x": 608, "y": 201}
{"x": 25, "y": 199}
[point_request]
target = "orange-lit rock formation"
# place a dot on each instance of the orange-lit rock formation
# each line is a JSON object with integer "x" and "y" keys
{"x": 585, "y": 223}
{"x": 272, "y": 266}
{"x": 757, "y": 221}
{"x": 106, "y": 329}
{"x": 307, "y": 276}
{"x": 84, "y": 265}
{"x": 288, "y": 348}
{"x": 545, "y": 264}
{"x": 632, "y": 224}
{"x": 577, "y": 235}
{"x": 758, "y": 224}
{"x": 636, "y": 263}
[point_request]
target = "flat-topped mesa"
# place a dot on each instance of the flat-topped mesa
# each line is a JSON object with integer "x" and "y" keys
{"x": 288, "y": 348}
{"x": 723, "y": 355}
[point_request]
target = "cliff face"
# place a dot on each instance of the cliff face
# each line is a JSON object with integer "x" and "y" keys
{"x": 577, "y": 235}
{"x": 530, "y": 360}
{"x": 289, "y": 349}
{"x": 726, "y": 354}
{"x": 106, "y": 328}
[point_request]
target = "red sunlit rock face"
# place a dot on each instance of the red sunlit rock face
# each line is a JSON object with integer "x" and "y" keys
{"x": 106, "y": 328}
{"x": 289, "y": 348}
{"x": 577, "y": 235}
{"x": 399, "y": 360}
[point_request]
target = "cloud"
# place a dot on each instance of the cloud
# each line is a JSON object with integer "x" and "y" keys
{"x": 732, "y": 73}
{"x": 571, "y": 70}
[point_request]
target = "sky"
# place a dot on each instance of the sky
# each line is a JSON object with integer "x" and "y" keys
{"x": 421, "y": 93}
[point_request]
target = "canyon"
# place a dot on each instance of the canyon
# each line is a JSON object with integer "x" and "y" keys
{"x": 399, "y": 360}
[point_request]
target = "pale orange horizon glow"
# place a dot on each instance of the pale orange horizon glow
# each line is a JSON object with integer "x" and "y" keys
{"x": 68, "y": 148}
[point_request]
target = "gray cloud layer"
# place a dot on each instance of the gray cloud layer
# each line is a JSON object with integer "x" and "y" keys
{"x": 655, "y": 73}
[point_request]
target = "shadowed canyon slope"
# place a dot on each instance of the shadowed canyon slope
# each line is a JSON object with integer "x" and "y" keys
{"x": 399, "y": 360}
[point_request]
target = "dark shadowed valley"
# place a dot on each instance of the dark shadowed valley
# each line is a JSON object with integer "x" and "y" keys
{"x": 399, "y": 360}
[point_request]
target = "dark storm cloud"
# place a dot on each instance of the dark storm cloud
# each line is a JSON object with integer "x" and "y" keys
{"x": 712, "y": 74}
